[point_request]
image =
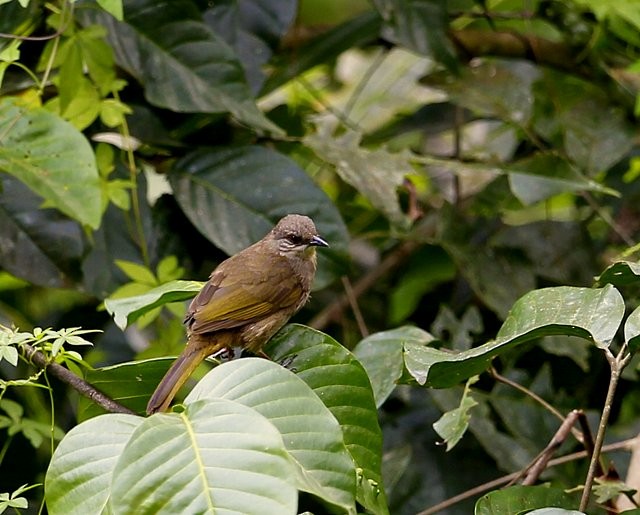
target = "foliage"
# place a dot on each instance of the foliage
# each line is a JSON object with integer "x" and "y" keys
{"x": 473, "y": 166}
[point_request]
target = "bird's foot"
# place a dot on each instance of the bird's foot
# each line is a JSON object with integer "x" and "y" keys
{"x": 287, "y": 361}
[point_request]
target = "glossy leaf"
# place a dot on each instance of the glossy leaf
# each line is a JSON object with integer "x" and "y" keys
{"x": 341, "y": 382}
{"x": 79, "y": 476}
{"x": 632, "y": 330}
{"x": 46, "y": 247}
{"x": 252, "y": 29}
{"x": 310, "y": 432}
{"x": 518, "y": 499}
{"x": 620, "y": 274}
{"x": 127, "y": 310}
{"x": 381, "y": 356}
{"x": 129, "y": 384}
{"x": 51, "y": 157}
{"x": 182, "y": 64}
{"x": 593, "y": 314}
{"x": 217, "y": 455}
{"x": 235, "y": 196}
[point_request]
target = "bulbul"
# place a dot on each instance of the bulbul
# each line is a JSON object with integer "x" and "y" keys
{"x": 246, "y": 300}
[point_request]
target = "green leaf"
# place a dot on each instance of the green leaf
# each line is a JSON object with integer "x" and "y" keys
{"x": 310, "y": 432}
{"x": 51, "y": 157}
{"x": 137, "y": 272}
{"x": 607, "y": 490}
{"x": 452, "y": 425}
{"x": 375, "y": 173}
{"x": 215, "y": 456}
{"x": 113, "y": 7}
{"x": 632, "y": 330}
{"x": 79, "y": 476}
{"x": 593, "y": 314}
{"x": 343, "y": 386}
{"x": 620, "y": 274}
{"x": 519, "y": 499}
{"x": 127, "y": 310}
{"x": 129, "y": 384}
{"x": 235, "y": 196}
{"x": 181, "y": 63}
{"x": 381, "y": 356}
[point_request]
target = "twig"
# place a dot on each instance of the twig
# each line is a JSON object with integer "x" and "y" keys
{"x": 66, "y": 376}
{"x": 617, "y": 364}
{"x": 502, "y": 379}
{"x": 391, "y": 261}
{"x": 490, "y": 485}
{"x": 364, "y": 331}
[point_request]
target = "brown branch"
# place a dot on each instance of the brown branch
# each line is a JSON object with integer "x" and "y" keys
{"x": 66, "y": 376}
{"x": 333, "y": 311}
{"x": 348, "y": 290}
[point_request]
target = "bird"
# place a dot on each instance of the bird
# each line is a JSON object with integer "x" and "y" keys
{"x": 247, "y": 299}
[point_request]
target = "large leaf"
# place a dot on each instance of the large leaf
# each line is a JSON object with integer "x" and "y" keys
{"x": 594, "y": 314}
{"x": 381, "y": 356}
{"x": 234, "y": 197}
{"x": 343, "y": 386}
{"x": 253, "y": 28}
{"x": 46, "y": 246}
{"x": 51, "y": 157}
{"x": 217, "y": 456}
{"x": 620, "y": 274}
{"x": 127, "y": 310}
{"x": 79, "y": 476}
{"x": 182, "y": 64}
{"x": 310, "y": 432}
{"x": 376, "y": 174}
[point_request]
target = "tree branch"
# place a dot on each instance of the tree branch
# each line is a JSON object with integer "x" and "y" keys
{"x": 65, "y": 375}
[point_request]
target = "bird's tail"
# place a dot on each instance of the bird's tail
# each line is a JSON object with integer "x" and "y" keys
{"x": 176, "y": 376}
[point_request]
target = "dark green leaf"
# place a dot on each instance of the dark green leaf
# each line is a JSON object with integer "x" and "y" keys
{"x": 235, "y": 196}
{"x": 182, "y": 64}
{"x": 51, "y": 157}
{"x": 343, "y": 385}
{"x": 309, "y": 431}
{"x": 620, "y": 274}
{"x": 129, "y": 384}
{"x": 593, "y": 314}
{"x": 252, "y": 29}
{"x": 127, "y": 310}
{"x": 519, "y": 499}
{"x": 46, "y": 247}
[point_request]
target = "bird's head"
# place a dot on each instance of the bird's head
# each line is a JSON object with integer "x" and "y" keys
{"x": 296, "y": 235}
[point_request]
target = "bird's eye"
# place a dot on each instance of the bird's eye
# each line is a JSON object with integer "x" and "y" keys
{"x": 295, "y": 239}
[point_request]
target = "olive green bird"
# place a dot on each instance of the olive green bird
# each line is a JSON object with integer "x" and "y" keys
{"x": 247, "y": 299}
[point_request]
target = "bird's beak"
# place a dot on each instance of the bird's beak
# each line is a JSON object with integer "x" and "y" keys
{"x": 317, "y": 241}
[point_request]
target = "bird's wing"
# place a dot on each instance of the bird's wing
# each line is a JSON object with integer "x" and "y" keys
{"x": 235, "y": 296}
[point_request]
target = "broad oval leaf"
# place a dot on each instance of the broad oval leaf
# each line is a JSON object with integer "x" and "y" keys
{"x": 235, "y": 196}
{"x": 182, "y": 64}
{"x": 310, "y": 432}
{"x": 343, "y": 386}
{"x": 52, "y": 158}
{"x": 381, "y": 356}
{"x": 217, "y": 456}
{"x": 594, "y": 314}
{"x": 521, "y": 499}
{"x": 79, "y": 476}
{"x": 127, "y": 310}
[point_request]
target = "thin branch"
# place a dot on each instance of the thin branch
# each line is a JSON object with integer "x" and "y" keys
{"x": 491, "y": 485}
{"x": 617, "y": 364}
{"x": 66, "y": 376}
{"x": 502, "y": 379}
{"x": 348, "y": 290}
